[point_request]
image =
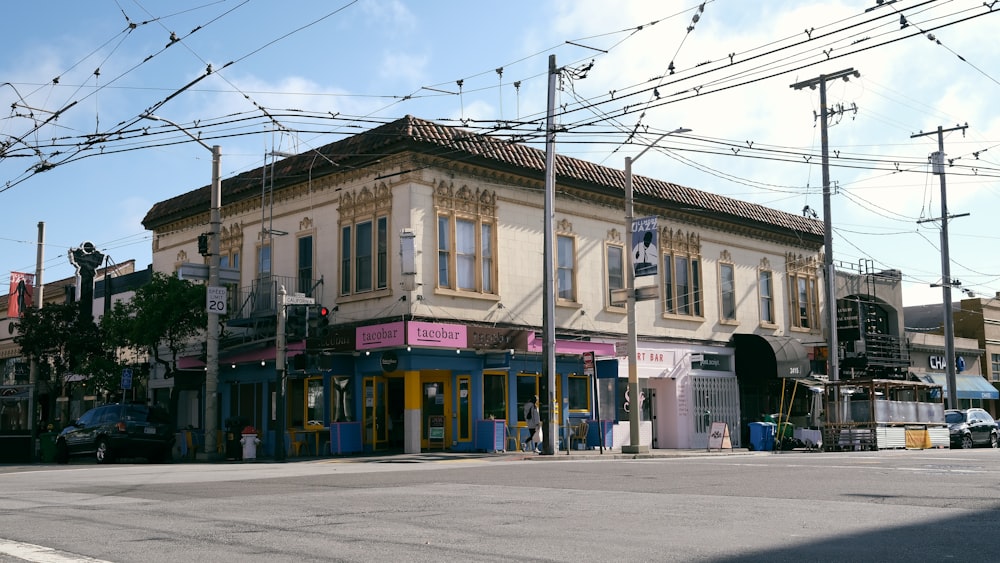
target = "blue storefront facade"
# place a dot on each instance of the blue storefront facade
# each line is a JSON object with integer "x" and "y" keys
{"x": 411, "y": 386}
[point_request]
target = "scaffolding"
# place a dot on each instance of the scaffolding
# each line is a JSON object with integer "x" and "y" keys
{"x": 879, "y": 414}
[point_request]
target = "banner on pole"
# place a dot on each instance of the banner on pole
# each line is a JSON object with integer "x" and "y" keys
{"x": 645, "y": 257}
{"x": 22, "y": 290}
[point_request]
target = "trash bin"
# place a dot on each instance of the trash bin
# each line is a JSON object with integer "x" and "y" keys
{"x": 762, "y": 436}
{"x": 249, "y": 441}
{"x": 47, "y": 444}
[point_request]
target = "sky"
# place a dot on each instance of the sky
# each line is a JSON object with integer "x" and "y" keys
{"x": 259, "y": 77}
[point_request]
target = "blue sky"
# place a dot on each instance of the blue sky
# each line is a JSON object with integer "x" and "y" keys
{"x": 291, "y": 76}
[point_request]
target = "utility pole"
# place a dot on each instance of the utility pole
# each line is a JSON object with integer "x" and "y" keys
{"x": 212, "y": 337}
{"x": 549, "y": 423}
{"x": 937, "y": 167}
{"x": 829, "y": 273}
{"x": 36, "y": 301}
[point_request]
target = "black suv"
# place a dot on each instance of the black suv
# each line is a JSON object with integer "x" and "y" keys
{"x": 118, "y": 430}
{"x": 971, "y": 427}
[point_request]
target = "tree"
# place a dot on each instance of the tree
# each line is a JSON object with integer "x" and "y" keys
{"x": 61, "y": 344}
{"x": 165, "y": 313}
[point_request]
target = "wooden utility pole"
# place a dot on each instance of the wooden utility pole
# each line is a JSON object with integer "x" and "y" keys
{"x": 937, "y": 167}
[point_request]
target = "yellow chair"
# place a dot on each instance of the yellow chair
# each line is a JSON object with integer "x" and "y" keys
{"x": 579, "y": 434}
{"x": 294, "y": 442}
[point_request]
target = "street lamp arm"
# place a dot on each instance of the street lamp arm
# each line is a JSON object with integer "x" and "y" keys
{"x": 181, "y": 129}
{"x": 658, "y": 139}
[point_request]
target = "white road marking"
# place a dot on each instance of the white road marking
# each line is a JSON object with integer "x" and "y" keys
{"x": 40, "y": 554}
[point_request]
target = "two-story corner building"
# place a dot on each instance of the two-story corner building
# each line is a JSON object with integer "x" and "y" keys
{"x": 426, "y": 244}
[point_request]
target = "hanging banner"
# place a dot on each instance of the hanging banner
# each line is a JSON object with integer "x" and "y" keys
{"x": 645, "y": 257}
{"x": 22, "y": 288}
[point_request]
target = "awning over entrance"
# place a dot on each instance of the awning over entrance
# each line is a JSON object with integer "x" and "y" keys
{"x": 967, "y": 385}
{"x": 782, "y": 356}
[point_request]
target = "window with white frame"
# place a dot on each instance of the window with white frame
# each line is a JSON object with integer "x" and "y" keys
{"x": 614, "y": 264}
{"x": 681, "y": 276}
{"x": 803, "y": 292}
{"x": 466, "y": 239}
{"x": 305, "y": 264}
{"x": 765, "y": 290}
{"x": 995, "y": 366}
{"x": 566, "y": 268}
{"x": 364, "y": 241}
{"x": 727, "y": 291}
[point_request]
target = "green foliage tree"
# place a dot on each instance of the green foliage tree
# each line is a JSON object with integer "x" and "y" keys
{"x": 56, "y": 338}
{"x": 159, "y": 320}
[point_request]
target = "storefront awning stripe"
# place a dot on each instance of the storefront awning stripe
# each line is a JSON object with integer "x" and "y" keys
{"x": 968, "y": 385}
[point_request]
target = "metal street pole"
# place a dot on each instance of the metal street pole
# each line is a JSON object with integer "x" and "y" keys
{"x": 633, "y": 446}
{"x": 549, "y": 424}
{"x": 212, "y": 338}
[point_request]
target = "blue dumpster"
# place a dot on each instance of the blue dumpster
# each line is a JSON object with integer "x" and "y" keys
{"x": 762, "y": 436}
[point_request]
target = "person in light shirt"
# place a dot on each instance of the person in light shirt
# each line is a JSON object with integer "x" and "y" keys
{"x": 644, "y": 256}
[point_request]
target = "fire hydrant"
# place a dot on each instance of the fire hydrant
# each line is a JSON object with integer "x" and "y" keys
{"x": 250, "y": 441}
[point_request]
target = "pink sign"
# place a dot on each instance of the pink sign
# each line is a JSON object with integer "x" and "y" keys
{"x": 438, "y": 335}
{"x": 380, "y": 336}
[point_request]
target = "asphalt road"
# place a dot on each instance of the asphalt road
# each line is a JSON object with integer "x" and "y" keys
{"x": 932, "y": 505}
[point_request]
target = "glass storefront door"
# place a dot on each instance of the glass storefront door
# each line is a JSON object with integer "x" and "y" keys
{"x": 435, "y": 412}
{"x": 376, "y": 411}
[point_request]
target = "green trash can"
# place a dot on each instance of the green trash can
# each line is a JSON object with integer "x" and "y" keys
{"x": 47, "y": 441}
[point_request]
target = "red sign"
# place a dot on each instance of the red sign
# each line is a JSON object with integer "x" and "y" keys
{"x": 22, "y": 288}
{"x": 588, "y": 363}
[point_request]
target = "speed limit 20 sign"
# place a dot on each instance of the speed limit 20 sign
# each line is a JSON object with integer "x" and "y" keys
{"x": 216, "y": 300}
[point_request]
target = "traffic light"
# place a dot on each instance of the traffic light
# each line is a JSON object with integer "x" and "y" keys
{"x": 203, "y": 244}
{"x": 295, "y": 321}
{"x": 319, "y": 321}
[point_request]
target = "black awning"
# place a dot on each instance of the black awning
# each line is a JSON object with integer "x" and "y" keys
{"x": 775, "y": 356}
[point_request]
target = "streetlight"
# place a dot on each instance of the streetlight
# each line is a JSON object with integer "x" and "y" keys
{"x": 633, "y": 373}
{"x": 212, "y": 344}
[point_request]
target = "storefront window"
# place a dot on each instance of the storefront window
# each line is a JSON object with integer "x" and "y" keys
{"x": 314, "y": 401}
{"x": 527, "y": 387}
{"x": 626, "y": 403}
{"x": 579, "y": 393}
{"x": 495, "y": 395}
{"x": 464, "y": 416}
{"x": 341, "y": 400}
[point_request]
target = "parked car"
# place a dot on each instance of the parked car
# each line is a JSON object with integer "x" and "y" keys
{"x": 971, "y": 427}
{"x": 119, "y": 430}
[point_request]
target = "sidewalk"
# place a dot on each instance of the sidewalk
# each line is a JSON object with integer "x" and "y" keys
{"x": 429, "y": 456}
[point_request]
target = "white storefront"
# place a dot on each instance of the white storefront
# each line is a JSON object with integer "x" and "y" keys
{"x": 684, "y": 389}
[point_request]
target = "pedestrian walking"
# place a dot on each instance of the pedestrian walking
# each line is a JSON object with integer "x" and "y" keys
{"x": 534, "y": 422}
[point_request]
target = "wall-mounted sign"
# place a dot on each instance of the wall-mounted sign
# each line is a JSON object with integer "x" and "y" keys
{"x": 389, "y": 361}
{"x": 940, "y": 363}
{"x": 437, "y": 335}
{"x": 380, "y": 336}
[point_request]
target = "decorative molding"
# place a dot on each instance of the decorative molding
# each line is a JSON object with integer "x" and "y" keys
{"x": 305, "y": 224}
{"x": 614, "y": 235}
{"x": 677, "y": 242}
{"x": 478, "y": 202}
{"x": 800, "y": 264}
{"x": 365, "y": 203}
{"x": 182, "y": 257}
{"x": 564, "y": 226}
{"x": 724, "y": 256}
{"x": 765, "y": 264}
